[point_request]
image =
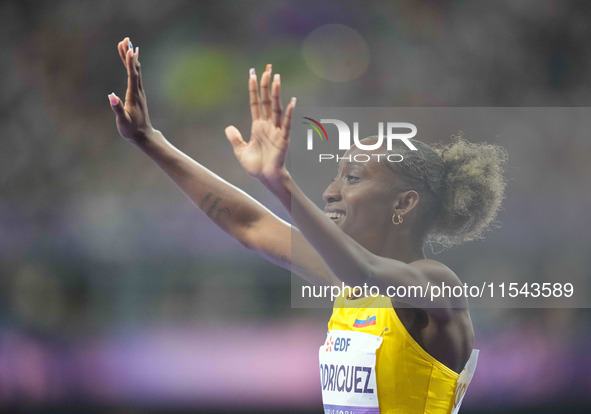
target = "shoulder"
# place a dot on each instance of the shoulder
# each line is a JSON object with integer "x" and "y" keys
{"x": 436, "y": 272}
{"x": 445, "y": 289}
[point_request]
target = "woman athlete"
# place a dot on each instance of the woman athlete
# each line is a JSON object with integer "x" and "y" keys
{"x": 380, "y": 355}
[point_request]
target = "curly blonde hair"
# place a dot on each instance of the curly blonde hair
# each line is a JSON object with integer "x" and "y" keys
{"x": 461, "y": 185}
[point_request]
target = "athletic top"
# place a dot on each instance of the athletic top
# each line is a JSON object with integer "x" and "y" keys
{"x": 369, "y": 360}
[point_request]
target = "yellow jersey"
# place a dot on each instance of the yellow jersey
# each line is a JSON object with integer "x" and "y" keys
{"x": 370, "y": 360}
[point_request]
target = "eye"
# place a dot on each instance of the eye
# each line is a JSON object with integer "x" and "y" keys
{"x": 352, "y": 178}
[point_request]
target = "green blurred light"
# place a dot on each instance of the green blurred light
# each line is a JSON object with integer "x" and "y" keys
{"x": 198, "y": 79}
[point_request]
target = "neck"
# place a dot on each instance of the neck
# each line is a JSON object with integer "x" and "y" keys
{"x": 398, "y": 245}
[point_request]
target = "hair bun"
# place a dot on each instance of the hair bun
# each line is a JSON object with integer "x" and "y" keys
{"x": 472, "y": 190}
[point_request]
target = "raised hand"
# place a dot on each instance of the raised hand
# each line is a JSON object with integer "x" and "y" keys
{"x": 133, "y": 121}
{"x": 263, "y": 156}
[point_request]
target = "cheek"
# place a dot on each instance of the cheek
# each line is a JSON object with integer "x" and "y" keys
{"x": 369, "y": 208}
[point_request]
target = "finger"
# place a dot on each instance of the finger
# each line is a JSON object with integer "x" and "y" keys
{"x": 119, "y": 50}
{"x": 138, "y": 68}
{"x": 265, "y": 95}
{"x": 255, "y": 106}
{"x": 132, "y": 78}
{"x": 287, "y": 119}
{"x": 277, "y": 108}
{"x": 235, "y": 138}
{"x": 123, "y": 47}
{"x": 117, "y": 106}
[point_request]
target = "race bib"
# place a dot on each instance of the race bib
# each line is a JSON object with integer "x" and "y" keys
{"x": 347, "y": 373}
{"x": 464, "y": 380}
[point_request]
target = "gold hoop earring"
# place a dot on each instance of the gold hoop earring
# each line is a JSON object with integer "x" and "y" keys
{"x": 397, "y": 219}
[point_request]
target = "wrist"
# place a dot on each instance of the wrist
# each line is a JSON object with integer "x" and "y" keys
{"x": 278, "y": 184}
{"x": 147, "y": 138}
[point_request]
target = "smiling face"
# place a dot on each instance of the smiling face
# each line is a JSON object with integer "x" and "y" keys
{"x": 362, "y": 197}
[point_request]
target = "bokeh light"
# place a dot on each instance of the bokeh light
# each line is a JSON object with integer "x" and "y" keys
{"x": 336, "y": 53}
{"x": 198, "y": 78}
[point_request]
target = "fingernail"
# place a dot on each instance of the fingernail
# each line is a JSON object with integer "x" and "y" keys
{"x": 252, "y": 73}
{"x": 137, "y": 51}
{"x": 130, "y": 45}
{"x": 276, "y": 78}
{"x": 294, "y": 100}
{"x": 113, "y": 99}
{"x": 268, "y": 68}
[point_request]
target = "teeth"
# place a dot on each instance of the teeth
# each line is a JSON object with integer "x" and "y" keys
{"x": 334, "y": 215}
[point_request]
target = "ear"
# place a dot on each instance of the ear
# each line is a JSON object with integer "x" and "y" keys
{"x": 406, "y": 201}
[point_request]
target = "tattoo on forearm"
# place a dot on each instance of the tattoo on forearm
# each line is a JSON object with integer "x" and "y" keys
{"x": 211, "y": 211}
{"x": 212, "y": 207}
{"x": 204, "y": 201}
{"x": 222, "y": 211}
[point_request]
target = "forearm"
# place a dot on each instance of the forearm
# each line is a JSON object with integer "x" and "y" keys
{"x": 352, "y": 263}
{"x": 227, "y": 206}
{"x": 346, "y": 258}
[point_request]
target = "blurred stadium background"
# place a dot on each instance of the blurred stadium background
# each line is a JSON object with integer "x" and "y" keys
{"x": 117, "y": 296}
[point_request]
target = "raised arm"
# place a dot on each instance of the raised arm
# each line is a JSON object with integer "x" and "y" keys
{"x": 263, "y": 156}
{"x": 230, "y": 208}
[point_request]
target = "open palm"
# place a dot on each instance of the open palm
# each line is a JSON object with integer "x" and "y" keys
{"x": 263, "y": 156}
{"x": 133, "y": 120}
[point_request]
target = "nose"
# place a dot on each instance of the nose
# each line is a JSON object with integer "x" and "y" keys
{"x": 332, "y": 192}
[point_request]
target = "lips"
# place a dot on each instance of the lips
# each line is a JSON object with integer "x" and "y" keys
{"x": 335, "y": 214}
